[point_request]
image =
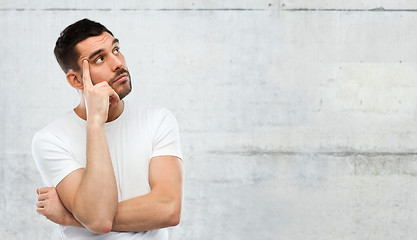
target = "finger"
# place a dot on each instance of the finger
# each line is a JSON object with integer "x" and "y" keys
{"x": 42, "y": 197}
{"x": 40, "y": 204}
{"x": 86, "y": 75}
{"x": 41, "y": 211}
{"x": 114, "y": 97}
{"x": 45, "y": 190}
{"x": 37, "y": 191}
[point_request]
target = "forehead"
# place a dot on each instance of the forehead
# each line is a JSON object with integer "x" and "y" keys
{"x": 92, "y": 44}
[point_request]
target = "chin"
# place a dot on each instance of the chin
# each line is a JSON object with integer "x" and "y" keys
{"x": 122, "y": 94}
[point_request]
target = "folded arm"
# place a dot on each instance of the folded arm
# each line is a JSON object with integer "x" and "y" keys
{"x": 158, "y": 209}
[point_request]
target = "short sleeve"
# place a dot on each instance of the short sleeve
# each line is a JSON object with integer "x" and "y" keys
{"x": 53, "y": 158}
{"x": 166, "y": 140}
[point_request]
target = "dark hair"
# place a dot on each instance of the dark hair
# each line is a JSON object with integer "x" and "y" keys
{"x": 65, "y": 52}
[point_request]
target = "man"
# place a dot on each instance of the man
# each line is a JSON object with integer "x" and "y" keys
{"x": 113, "y": 168}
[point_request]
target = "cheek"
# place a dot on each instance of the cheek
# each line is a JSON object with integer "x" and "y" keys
{"x": 122, "y": 58}
{"x": 97, "y": 76}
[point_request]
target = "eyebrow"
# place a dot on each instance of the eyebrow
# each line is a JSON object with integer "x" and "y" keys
{"x": 101, "y": 50}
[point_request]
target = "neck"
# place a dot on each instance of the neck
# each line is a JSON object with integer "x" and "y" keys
{"x": 114, "y": 111}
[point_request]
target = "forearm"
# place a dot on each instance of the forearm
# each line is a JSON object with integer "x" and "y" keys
{"x": 140, "y": 214}
{"x": 71, "y": 221}
{"x": 95, "y": 202}
{"x": 147, "y": 212}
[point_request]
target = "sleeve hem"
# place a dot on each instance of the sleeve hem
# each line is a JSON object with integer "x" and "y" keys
{"x": 67, "y": 171}
{"x": 159, "y": 154}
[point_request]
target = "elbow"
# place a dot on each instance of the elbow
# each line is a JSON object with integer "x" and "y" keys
{"x": 100, "y": 227}
{"x": 95, "y": 220}
{"x": 174, "y": 220}
{"x": 174, "y": 216}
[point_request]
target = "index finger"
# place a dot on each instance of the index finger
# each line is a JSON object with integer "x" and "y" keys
{"x": 86, "y": 75}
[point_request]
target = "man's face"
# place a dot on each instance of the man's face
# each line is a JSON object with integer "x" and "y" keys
{"x": 106, "y": 62}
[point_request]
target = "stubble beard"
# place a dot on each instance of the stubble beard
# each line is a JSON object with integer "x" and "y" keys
{"x": 125, "y": 92}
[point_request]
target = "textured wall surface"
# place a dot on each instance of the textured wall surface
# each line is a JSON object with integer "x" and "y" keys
{"x": 297, "y": 118}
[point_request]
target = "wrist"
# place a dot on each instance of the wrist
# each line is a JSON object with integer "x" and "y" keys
{"x": 95, "y": 123}
{"x": 97, "y": 117}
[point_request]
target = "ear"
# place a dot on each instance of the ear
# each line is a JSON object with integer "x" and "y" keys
{"x": 75, "y": 80}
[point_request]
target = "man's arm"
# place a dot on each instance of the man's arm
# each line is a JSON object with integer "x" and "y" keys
{"x": 158, "y": 209}
{"x": 162, "y": 206}
{"x": 91, "y": 194}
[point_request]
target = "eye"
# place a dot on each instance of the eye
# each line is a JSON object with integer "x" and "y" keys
{"x": 116, "y": 51}
{"x": 99, "y": 59}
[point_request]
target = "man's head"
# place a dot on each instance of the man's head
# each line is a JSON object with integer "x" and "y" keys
{"x": 65, "y": 51}
{"x": 91, "y": 41}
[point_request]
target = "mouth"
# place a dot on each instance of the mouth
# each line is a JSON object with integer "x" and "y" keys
{"x": 121, "y": 78}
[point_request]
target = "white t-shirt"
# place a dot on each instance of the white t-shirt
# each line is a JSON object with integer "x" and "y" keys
{"x": 136, "y": 136}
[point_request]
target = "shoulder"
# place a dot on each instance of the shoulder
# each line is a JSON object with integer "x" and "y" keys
{"x": 57, "y": 129}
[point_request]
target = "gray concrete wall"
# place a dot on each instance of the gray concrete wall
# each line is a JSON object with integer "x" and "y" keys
{"x": 297, "y": 118}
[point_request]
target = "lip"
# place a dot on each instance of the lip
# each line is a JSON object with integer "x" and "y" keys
{"x": 121, "y": 78}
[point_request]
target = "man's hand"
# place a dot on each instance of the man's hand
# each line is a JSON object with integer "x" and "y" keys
{"x": 52, "y": 208}
{"x": 97, "y": 97}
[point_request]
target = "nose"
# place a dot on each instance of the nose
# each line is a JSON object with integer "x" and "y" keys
{"x": 116, "y": 63}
